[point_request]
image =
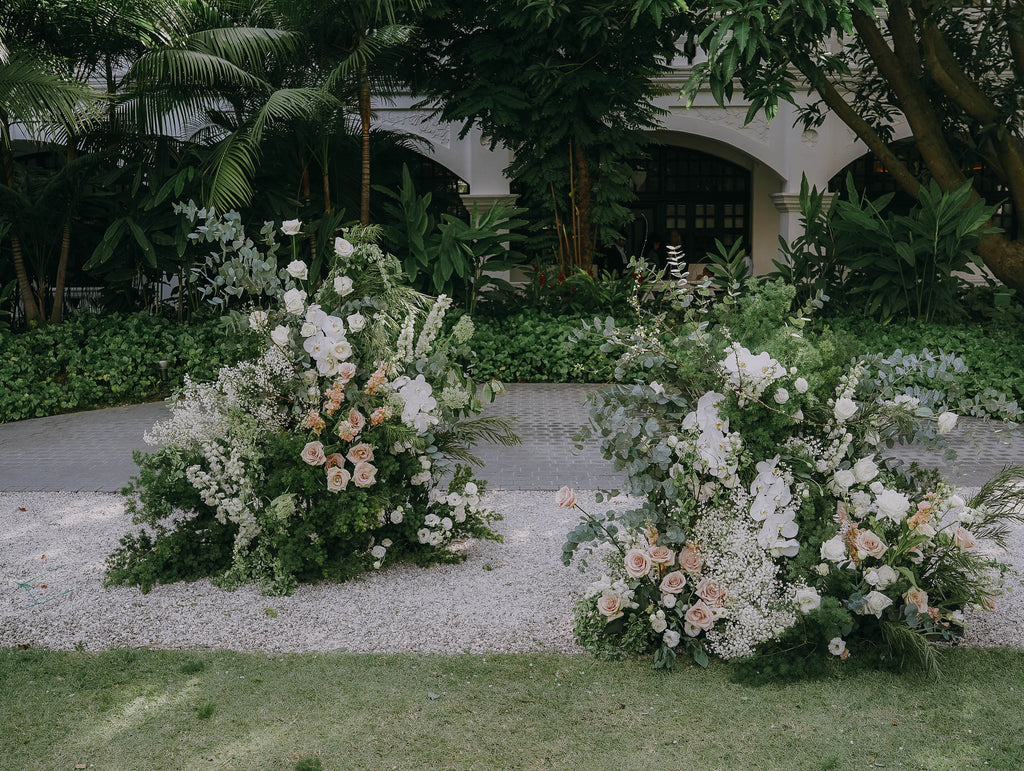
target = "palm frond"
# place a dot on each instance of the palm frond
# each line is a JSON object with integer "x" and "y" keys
{"x": 907, "y": 646}
{"x": 41, "y": 99}
{"x": 493, "y": 429}
{"x": 170, "y": 67}
{"x": 244, "y": 46}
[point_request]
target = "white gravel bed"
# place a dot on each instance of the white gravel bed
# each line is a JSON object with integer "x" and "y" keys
{"x": 514, "y": 596}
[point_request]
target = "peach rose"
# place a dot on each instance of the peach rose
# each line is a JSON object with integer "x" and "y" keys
{"x": 698, "y": 617}
{"x": 337, "y": 479}
{"x": 335, "y": 459}
{"x": 360, "y": 453}
{"x": 917, "y": 597}
{"x": 313, "y": 454}
{"x": 964, "y": 539}
{"x": 346, "y": 371}
{"x": 661, "y": 555}
{"x": 869, "y": 545}
{"x": 711, "y": 593}
{"x": 638, "y": 563}
{"x": 610, "y": 606}
{"x": 356, "y": 420}
{"x": 673, "y": 582}
{"x": 364, "y": 474}
{"x": 690, "y": 559}
{"x": 565, "y": 498}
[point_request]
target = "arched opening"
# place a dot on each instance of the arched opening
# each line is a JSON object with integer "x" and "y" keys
{"x": 693, "y": 195}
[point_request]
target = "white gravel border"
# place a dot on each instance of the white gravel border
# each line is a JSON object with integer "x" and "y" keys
{"x": 509, "y": 597}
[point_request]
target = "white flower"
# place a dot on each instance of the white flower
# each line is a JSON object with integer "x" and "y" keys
{"x": 844, "y": 409}
{"x": 836, "y": 646}
{"x": 471, "y": 488}
{"x": 397, "y": 516}
{"x": 257, "y": 320}
{"x": 892, "y": 505}
{"x": 668, "y": 601}
{"x": 881, "y": 577}
{"x": 291, "y": 227}
{"x": 781, "y": 396}
{"x": 834, "y": 550}
{"x": 807, "y": 599}
{"x": 297, "y": 269}
{"x": 658, "y": 624}
{"x": 343, "y": 285}
{"x": 343, "y": 248}
{"x": 378, "y": 552}
{"x": 657, "y": 387}
{"x": 280, "y": 335}
{"x": 947, "y": 422}
{"x": 670, "y": 638}
{"x": 865, "y": 470}
{"x": 798, "y": 416}
{"x": 295, "y": 301}
{"x": 800, "y": 384}
{"x": 844, "y": 478}
{"x": 876, "y": 488}
{"x": 356, "y": 322}
{"x": 308, "y": 329}
{"x": 874, "y": 603}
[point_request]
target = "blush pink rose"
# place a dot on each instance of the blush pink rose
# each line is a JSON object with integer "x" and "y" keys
{"x": 711, "y": 593}
{"x": 346, "y": 371}
{"x": 638, "y": 563}
{"x": 565, "y": 498}
{"x": 313, "y": 454}
{"x": 360, "y": 453}
{"x": 610, "y": 606}
{"x": 364, "y": 474}
{"x": 661, "y": 555}
{"x": 964, "y": 539}
{"x": 690, "y": 560}
{"x": 918, "y": 598}
{"x": 673, "y": 583}
{"x": 698, "y": 617}
{"x": 337, "y": 479}
{"x": 869, "y": 545}
{"x": 335, "y": 459}
{"x": 356, "y": 420}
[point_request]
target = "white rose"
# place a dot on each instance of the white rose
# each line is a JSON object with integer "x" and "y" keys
{"x": 881, "y": 577}
{"x": 670, "y": 638}
{"x": 343, "y": 248}
{"x": 875, "y": 603}
{"x": 844, "y": 409}
{"x": 297, "y": 269}
{"x": 865, "y": 470}
{"x": 291, "y": 227}
{"x": 308, "y": 329}
{"x": 836, "y": 646}
{"x": 668, "y": 601}
{"x": 947, "y": 422}
{"x": 378, "y": 552}
{"x": 294, "y": 301}
{"x": 471, "y": 488}
{"x": 800, "y": 384}
{"x": 356, "y": 322}
{"x": 343, "y": 285}
{"x": 844, "y": 478}
{"x": 658, "y": 624}
{"x": 807, "y": 599}
{"x": 892, "y": 505}
{"x": 781, "y": 396}
{"x": 257, "y": 320}
{"x": 834, "y": 550}
{"x": 876, "y": 488}
{"x": 397, "y": 516}
{"x": 280, "y": 335}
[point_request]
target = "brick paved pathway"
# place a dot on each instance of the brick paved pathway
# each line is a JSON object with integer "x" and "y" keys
{"x": 92, "y": 451}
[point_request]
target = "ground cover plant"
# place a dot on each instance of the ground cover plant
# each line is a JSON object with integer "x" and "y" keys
{"x": 773, "y": 528}
{"x": 216, "y": 709}
{"x": 339, "y": 448}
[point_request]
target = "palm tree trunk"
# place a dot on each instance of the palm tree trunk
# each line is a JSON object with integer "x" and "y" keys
{"x": 57, "y": 312}
{"x": 584, "y": 202}
{"x": 28, "y": 300}
{"x": 364, "y": 118}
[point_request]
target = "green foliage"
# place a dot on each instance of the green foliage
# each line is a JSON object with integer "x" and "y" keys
{"x": 103, "y": 361}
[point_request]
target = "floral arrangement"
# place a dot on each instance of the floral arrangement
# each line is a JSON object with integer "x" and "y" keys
{"x": 773, "y": 528}
{"x": 339, "y": 449}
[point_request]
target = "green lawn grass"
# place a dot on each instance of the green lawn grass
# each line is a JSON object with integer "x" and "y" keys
{"x": 147, "y": 709}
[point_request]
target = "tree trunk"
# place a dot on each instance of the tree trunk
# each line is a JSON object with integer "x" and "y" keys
{"x": 57, "y": 312}
{"x": 584, "y": 202}
{"x": 364, "y": 119}
{"x": 1005, "y": 258}
{"x": 32, "y": 312}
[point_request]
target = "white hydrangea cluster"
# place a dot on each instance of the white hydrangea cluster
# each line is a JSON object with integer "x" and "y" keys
{"x": 748, "y": 375}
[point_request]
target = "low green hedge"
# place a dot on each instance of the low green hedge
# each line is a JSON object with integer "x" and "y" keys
{"x": 103, "y": 361}
{"x": 94, "y": 361}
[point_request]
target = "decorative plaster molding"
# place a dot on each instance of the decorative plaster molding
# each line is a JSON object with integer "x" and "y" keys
{"x": 789, "y": 203}
{"x": 485, "y": 201}
{"x": 416, "y": 122}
